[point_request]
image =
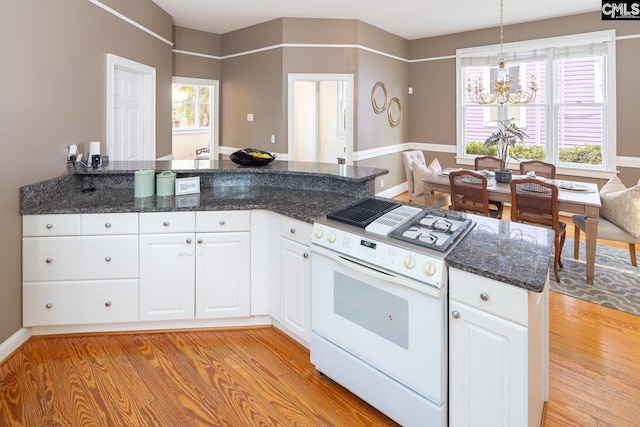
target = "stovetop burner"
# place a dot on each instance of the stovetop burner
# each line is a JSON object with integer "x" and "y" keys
{"x": 433, "y": 229}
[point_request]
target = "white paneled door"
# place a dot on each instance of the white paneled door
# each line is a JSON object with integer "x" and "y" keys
{"x": 130, "y": 110}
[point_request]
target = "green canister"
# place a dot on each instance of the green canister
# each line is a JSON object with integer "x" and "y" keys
{"x": 166, "y": 183}
{"x": 143, "y": 183}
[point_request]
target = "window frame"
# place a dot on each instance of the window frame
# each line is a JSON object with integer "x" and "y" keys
{"x": 609, "y": 118}
{"x": 197, "y": 84}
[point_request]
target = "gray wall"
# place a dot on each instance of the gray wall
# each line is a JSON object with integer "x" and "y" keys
{"x": 54, "y": 74}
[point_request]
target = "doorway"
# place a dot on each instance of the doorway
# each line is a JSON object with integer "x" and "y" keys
{"x": 131, "y": 110}
{"x": 320, "y": 117}
{"x": 195, "y": 118}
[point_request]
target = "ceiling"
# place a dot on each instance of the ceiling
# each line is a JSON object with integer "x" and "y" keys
{"x": 410, "y": 19}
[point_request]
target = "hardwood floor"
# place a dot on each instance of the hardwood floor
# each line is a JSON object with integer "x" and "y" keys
{"x": 261, "y": 377}
{"x": 240, "y": 377}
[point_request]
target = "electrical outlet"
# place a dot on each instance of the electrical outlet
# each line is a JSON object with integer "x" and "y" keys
{"x": 273, "y": 139}
{"x": 382, "y": 183}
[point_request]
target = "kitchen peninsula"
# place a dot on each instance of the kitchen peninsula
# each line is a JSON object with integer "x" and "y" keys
{"x": 96, "y": 258}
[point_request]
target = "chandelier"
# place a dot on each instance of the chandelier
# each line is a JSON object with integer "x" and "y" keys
{"x": 502, "y": 84}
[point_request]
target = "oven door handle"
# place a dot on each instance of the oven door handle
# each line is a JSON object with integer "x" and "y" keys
{"x": 371, "y": 271}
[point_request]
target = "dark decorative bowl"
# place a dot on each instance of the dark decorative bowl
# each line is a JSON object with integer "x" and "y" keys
{"x": 245, "y": 158}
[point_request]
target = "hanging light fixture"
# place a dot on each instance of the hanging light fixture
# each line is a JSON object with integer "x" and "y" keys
{"x": 502, "y": 84}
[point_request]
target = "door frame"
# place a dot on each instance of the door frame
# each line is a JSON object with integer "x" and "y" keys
{"x": 114, "y": 63}
{"x": 318, "y": 77}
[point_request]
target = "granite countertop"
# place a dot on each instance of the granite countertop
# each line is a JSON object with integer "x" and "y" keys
{"x": 200, "y": 167}
{"x": 509, "y": 252}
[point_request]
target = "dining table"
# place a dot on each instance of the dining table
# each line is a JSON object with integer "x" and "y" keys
{"x": 573, "y": 197}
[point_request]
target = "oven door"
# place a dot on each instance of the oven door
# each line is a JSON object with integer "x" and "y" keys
{"x": 394, "y": 324}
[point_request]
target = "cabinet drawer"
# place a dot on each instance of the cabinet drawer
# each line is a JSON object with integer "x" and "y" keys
{"x": 62, "y": 303}
{"x": 491, "y": 296}
{"x": 51, "y": 225}
{"x": 211, "y": 222}
{"x": 298, "y": 231}
{"x": 113, "y": 223}
{"x": 167, "y": 222}
{"x": 78, "y": 258}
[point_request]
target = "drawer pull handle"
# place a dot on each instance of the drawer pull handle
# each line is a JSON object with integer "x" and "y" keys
{"x": 455, "y": 314}
{"x": 107, "y": 225}
{"x": 189, "y": 241}
{"x": 48, "y": 306}
{"x": 484, "y": 296}
{"x": 305, "y": 255}
{"x": 107, "y": 304}
{"x": 292, "y": 231}
{"x": 166, "y": 223}
{"x": 49, "y": 260}
{"x": 108, "y": 259}
{"x": 49, "y": 226}
{"x": 222, "y": 222}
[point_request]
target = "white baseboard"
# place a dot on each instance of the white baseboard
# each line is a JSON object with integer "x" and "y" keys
{"x": 392, "y": 192}
{"x": 14, "y": 342}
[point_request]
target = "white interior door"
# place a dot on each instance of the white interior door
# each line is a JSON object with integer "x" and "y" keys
{"x": 131, "y": 114}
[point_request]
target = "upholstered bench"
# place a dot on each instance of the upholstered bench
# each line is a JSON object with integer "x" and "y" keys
{"x": 608, "y": 231}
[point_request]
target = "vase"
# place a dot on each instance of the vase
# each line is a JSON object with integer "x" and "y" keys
{"x": 503, "y": 176}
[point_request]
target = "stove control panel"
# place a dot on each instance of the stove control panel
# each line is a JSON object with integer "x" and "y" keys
{"x": 383, "y": 255}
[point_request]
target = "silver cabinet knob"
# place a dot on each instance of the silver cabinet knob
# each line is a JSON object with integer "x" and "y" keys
{"x": 305, "y": 255}
{"x": 166, "y": 223}
{"x": 484, "y": 296}
{"x": 49, "y": 260}
{"x": 107, "y": 304}
{"x": 49, "y": 226}
{"x": 293, "y": 230}
{"x": 200, "y": 241}
{"x": 455, "y": 314}
{"x": 223, "y": 222}
{"x": 188, "y": 241}
{"x": 107, "y": 259}
{"x": 107, "y": 225}
{"x": 48, "y": 306}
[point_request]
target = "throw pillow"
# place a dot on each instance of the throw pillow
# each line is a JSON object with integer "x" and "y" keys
{"x": 622, "y": 206}
{"x": 613, "y": 185}
{"x": 420, "y": 172}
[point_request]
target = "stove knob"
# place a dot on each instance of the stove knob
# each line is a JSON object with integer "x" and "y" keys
{"x": 332, "y": 236}
{"x": 409, "y": 261}
{"x": 429, "y": 269}
{"x": 319, "y": 232}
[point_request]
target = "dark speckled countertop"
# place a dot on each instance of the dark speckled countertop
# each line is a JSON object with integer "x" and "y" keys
{"x": 511, "y": 253}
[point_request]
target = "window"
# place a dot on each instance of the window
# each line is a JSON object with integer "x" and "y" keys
{"x": 191, "y": 106}
{"x": 570, "y": 123}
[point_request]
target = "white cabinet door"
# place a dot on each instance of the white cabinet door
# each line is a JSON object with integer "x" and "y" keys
{"x": 223, "y": 279}
{"x": 487, "y": 369}
{"x": 167, "y": 274}
{"x": 295, "y": 291}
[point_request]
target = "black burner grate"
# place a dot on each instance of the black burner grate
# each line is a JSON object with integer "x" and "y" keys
{"x": 362, "y": 212}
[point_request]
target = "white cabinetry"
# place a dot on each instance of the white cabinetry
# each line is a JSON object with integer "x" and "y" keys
{"x": 295, "y": 278}
{"x": 498, "y": 353}
{"x": 79, "y": 269}
{"x": 194, "y": 265}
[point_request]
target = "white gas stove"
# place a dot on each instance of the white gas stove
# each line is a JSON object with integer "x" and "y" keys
{"x": 402, "y": 239}
{"x": 378, "y": 305}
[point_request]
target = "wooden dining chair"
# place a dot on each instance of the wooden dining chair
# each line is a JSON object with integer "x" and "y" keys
{"x": 536, "y": 202}
{"x": 486, "y": 162}
{"x": 469, "y": 194}
{"x": 543, "y": 169}
{"x": 489, "y": 163}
